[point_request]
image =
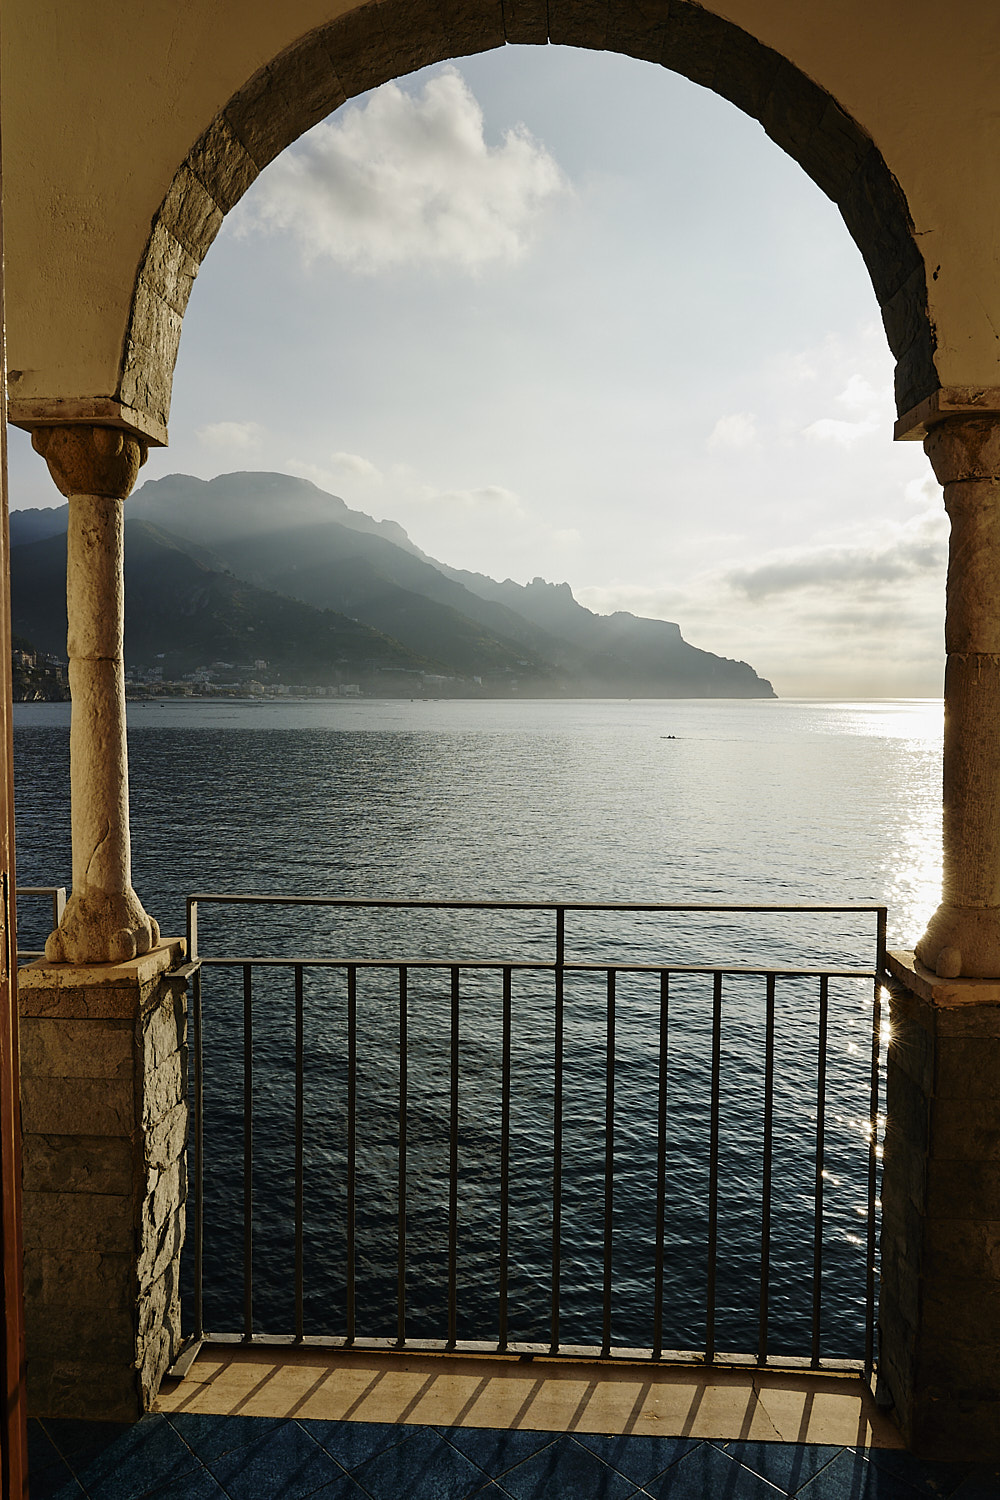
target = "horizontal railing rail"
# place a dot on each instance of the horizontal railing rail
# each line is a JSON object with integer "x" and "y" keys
{"x": 485, "y": 1088}
{"x": 56, "y": 894}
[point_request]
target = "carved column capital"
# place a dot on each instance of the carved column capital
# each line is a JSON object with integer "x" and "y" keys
{"x": 962, "y": 448}
{"x": 91, "y": 460}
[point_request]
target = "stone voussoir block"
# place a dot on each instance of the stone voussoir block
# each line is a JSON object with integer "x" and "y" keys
{"x": 168, "y": 269}
{"x": 222, "y": 164}
{"x": 526, "y": 22}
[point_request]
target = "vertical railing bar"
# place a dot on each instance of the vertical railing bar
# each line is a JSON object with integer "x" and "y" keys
{"x": 713, "y": 1168}
{"x": 609, "y": 1162}
{"x": 453, "y": 1167}
{"x": 352, "y": 1111}
{"x": 199, "y": 1158}
{"x": 557, "y": 1125}
{"x": 873, "y": 1152}
{"x": 401, "y": 1187}
{"x": 824, "y": 985}
{"x": 504, "y": 1155}
{"x": 765, "y": 1191}
{"x": 299, "y": 1151}
{"x": 247, "y": 1152}
{"x": 661, "y": 1166}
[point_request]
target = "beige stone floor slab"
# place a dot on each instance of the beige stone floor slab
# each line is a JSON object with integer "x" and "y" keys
{"x": 540, "y": 1394}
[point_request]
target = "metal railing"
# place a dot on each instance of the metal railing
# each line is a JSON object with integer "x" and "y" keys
{"x": 56, "y": 894}
{"x": 593, "y": 1037}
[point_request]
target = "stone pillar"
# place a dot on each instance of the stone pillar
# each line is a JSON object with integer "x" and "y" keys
{"x": 939, "y": 1297}
{"x": 104, "y": 1118}
{"x": 104, "y": 921}
{"x": 963, "y": 937}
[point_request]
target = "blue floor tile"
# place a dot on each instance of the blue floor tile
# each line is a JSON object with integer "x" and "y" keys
{"x": 788, "y": 1466}
{"x": 567, "y": 1470}
{"x": 197, "y": 1486}
{"x": 210, "y": 1437}
{"x": 639, "y": 1458}
{"x": 982, "y": 1484}
{"x": 50, "y": 1475}
{"x": 425, "y": 1466}
{"x": 352, "y": 1443}
{"x": 850, "y": 1476}
{"x": 283, "y": 1461}
{"x": 54, "y": 1482}
{"x": 494, "y": 1450}
{"x": 115, "y": 1461}
{"x": 709, "y": 1474}
{"x": 927, "y": 1476}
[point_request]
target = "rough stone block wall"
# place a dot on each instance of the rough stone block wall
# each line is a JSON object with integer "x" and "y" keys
{"x": 104, "y": 1116}
{"x": 939, "y": 1305}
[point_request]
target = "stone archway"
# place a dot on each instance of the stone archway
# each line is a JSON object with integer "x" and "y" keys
{"x": 385, "y": 39}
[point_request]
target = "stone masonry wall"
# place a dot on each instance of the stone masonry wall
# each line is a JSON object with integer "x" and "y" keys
{"x": 104, "y": 1115}
{"x": 939, "y": 1305}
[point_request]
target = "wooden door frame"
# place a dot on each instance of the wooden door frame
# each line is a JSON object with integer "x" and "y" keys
{"x": 13, "y": 1428}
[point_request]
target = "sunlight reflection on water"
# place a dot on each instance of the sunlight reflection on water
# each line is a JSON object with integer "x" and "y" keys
{"x": 665, "y": 801}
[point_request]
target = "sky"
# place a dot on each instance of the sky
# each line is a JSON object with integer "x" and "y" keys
{"x": 565, "y": 314}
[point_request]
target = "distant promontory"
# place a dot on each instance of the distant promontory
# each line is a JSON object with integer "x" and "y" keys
{"x": 264, "y": 584}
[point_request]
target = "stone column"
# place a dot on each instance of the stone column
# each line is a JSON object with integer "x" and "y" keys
{"x": 104, "y": 921}
{"x": 963, "y": 937}
{"x": 939, "y": 1297}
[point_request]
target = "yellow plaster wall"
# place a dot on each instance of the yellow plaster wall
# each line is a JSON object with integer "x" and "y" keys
{"x": 101, "y": 101}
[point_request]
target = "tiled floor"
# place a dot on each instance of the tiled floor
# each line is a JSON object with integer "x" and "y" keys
{"x": 623, "y": 1433}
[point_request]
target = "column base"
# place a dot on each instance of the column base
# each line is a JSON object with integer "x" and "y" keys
{"x": 102, "y": 927}
{"x": 939, "y": 1303}
{"x": 962, "y": 941}
{"x": 104, "y": 1117}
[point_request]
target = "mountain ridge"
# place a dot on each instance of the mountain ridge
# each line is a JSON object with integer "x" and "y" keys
{"x": 288, "y": 539}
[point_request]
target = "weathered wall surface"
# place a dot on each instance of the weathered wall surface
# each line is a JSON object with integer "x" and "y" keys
{"x": 102, "y": 104}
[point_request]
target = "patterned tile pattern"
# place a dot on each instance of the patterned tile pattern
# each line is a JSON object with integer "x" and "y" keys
{"x": 194, "y": 1457}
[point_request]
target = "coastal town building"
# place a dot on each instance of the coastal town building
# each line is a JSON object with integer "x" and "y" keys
{"x": 129, "y": 132}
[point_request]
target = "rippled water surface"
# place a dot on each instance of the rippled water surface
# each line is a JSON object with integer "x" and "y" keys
{"x": 706, "y": 802}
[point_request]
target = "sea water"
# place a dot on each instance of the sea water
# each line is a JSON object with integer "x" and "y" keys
{"x": 720, "y": 802}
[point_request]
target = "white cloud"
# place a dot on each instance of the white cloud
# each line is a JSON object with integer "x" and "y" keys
{"x": 340, "y": 467}
{"x": 241, "y": 437}
{"x": 488, "y": 499}
{"x": 356, "y": 466}
{"x": 736, "y": 431}
{"x": 408, "y": 178}
{"x": 909, "y": 551}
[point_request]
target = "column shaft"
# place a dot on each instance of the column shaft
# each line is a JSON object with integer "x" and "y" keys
{"x": 104, "y": 921}
{"x": 963, "y": 936}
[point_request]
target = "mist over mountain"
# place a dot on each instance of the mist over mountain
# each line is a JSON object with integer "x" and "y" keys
{"x": 258, "y": 567}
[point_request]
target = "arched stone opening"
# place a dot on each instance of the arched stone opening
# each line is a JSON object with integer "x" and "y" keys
{"x": 385, "y": 39}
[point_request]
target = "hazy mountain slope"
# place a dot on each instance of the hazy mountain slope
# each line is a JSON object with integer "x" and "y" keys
{"x": 182, "y": 614}
{"x": 284, "y": 534}
{"x": 371, "y": 579}
{"x": 249, "y": 504}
